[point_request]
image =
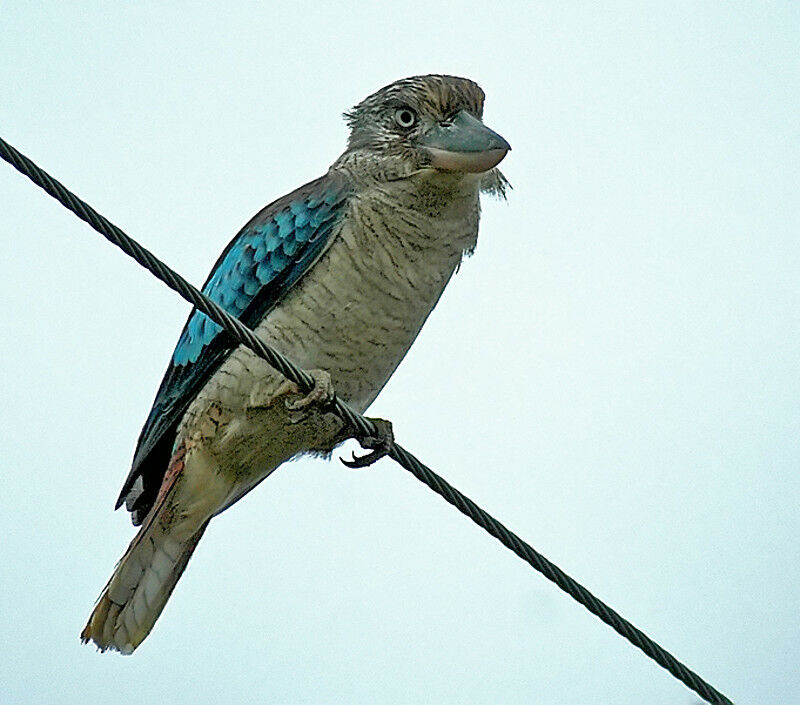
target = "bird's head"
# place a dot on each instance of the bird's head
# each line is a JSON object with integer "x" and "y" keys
{"x": 425, "y": 123}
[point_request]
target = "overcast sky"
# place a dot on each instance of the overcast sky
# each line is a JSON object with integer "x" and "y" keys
{"x": 613, "y": 374}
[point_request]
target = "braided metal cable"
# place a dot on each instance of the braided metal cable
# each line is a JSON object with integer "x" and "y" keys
{"x": 363, "y": 426}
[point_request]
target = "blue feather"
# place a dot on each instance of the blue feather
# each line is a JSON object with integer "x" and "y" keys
{"x": 281, "y": 246}
{"x": 260, "y": 265}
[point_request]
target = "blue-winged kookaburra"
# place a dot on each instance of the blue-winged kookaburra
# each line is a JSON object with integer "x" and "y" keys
{"x": 339, "y": 275}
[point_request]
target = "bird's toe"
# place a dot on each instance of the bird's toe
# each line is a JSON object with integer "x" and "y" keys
{"x": 379, "y": 445}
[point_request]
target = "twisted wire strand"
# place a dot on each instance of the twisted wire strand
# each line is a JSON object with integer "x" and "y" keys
{"x": 363, "y": 426}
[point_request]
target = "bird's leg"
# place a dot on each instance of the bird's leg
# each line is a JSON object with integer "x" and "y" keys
{"x": 320, "y": 396}
{"x": 379, "y": 445}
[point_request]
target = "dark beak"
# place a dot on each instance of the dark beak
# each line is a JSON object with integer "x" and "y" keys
{"x": 464, "y": 144}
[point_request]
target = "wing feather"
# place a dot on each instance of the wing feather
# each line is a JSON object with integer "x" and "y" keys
{"x": 265, "y": 259}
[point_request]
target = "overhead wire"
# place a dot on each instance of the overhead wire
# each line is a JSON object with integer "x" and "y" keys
{"x": 363, "y": 427}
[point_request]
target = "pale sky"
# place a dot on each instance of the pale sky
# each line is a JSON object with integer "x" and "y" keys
{"x": 613, "y": 374}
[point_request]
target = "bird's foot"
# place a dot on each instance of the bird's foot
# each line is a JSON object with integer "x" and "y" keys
{"x": 321, "y": 396}
{"x": 379, "y": 445}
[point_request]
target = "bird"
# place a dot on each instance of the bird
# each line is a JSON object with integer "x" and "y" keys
{"x": 339, "y": 275}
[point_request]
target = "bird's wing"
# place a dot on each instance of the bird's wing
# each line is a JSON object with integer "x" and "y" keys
{"x": 268, "y": 256}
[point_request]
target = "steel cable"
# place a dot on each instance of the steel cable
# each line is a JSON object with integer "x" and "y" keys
{"x": 362, "y": 425}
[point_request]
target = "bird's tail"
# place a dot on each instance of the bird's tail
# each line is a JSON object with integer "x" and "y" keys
{"x": 143, "y": 579}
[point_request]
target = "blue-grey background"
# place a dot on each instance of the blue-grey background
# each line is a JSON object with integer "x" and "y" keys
{"x": 614, "y": 374}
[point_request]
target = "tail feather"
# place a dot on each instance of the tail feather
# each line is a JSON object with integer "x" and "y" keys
{"x": 139, "y": 589}
{"x": 148, "y": 572}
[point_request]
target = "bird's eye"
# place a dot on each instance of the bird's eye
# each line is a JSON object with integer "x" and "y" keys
{"x": 405, "y": 117}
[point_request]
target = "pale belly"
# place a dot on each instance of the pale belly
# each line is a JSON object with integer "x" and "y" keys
{"x": 354, "y": 314}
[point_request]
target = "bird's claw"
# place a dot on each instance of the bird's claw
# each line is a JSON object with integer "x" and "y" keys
{"x": 378, "y": 446}
{"x": 321, "y": 395}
